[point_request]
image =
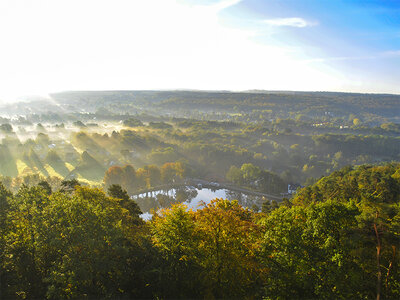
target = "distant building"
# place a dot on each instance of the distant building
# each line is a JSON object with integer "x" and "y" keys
{"x": 293, "y": 187}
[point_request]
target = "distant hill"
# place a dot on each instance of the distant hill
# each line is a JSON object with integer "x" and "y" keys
{"x": 280, "y": 103}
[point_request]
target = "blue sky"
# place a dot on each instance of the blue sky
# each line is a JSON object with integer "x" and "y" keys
{"x": 360, "y": 38}
{"x": 321, "y": 45}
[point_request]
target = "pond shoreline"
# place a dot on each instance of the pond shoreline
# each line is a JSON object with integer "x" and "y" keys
{"x": 199, "y": 197}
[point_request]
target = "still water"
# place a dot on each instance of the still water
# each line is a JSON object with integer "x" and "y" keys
{"x": 193, "y": 198}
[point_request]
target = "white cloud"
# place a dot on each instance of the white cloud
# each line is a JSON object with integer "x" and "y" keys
{"x": 379, "y": 55}
{"x": 225, "y": 4}
{"x": 291, "y": 22}
{"x": 391, "y": 53}
{"x": 342, "y": 58}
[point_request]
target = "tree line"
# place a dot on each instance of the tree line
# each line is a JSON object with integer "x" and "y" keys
{"x": 134, "y": 180}
{"x": 338, "y": 238}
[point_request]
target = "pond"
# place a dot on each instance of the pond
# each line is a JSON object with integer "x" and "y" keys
{"x": 194, "y": 198}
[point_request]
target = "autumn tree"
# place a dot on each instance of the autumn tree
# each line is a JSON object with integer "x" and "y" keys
{"x": 114, "y": 175}
{"x": 228, "y": 245}
{"x": 173, "y": 172}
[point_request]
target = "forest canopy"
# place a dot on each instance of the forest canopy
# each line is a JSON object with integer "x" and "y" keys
{"x": 338, "y": 238}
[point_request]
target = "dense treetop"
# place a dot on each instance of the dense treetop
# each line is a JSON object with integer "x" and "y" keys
{"x": 338, "y": 238}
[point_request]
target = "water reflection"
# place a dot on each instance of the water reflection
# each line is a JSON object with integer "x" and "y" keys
{"x": 194, "y": 198}
{"x": 245, "y": 200}
{"x": 165, "y": 198}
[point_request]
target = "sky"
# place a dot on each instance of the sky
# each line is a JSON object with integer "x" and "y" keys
{"x": 306, "y": 45}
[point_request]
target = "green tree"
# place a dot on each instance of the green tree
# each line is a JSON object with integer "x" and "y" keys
{"x": 5, "y": 196}
{"x": 234, "y": 175}
{"x": 308, "y": 252}
{"x": 25, "y": 260}
{"x": 117, "y": 192}
{"x": 174, "y": 235}
{"x": 250, "y": 173}
{"x": 46, "y": 186}
{"x": 69, "y": 185}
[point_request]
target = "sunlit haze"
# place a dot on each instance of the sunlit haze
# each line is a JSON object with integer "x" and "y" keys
{"x": 55, "y": 45}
